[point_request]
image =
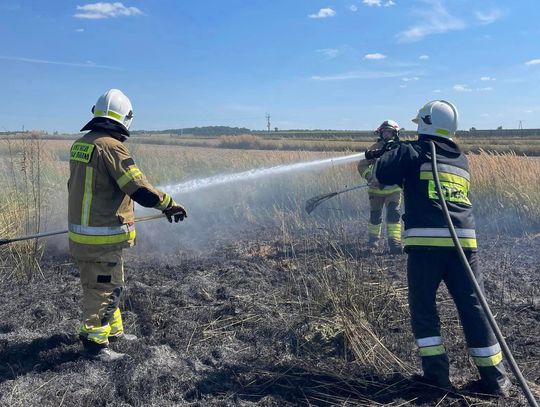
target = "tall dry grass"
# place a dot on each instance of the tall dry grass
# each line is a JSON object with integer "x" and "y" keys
{"x": 23, "y": 205}
{"x": 506, "y": 191}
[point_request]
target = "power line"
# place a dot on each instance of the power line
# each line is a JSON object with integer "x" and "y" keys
{"x": 268, "y": 122}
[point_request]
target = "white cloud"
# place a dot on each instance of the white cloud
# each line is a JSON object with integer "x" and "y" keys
{"x": 80, "y": 30}
{"x": 414, "y": 78}
{"x": 375, "y": 56}
{"x": 466, "y": 88}
{"x": 533, "y": 62}
{"x": 528, "y": 111}
{"x": 402, "y": 86}
{"x": 487, "y": 78}
{"x": 435, "y": 19}
{"x": 437, "y": 91}
{"x": 360, "y": 75}
{"x": 378, "y": 3}
{"x": 353, "y": 8}
{"x": 372, "y": 3}
{"x": 94, "y": 11}
{"x": 88, "y": 64}
{"x": 484, "y": 115}
{"x": 423, "y": 57}
{"x": 489, "y": 17}
{"x": 323, "y": 13}
{"x": 329, "y": 53}
{"x": 462, "y": 88}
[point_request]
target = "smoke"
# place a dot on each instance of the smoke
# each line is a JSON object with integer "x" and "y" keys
{"x": 223, "y": 208}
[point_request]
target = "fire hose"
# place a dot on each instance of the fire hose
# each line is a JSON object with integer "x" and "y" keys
{"x": 61, "y": 232}
{"x": 481, "y": 298}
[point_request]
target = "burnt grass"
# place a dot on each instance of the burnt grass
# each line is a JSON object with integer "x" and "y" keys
{"x": 249, "y": 323}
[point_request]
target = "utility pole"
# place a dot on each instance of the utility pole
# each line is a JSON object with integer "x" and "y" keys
{"x": 520, "y": 126}
{"x": 268, "y": 122}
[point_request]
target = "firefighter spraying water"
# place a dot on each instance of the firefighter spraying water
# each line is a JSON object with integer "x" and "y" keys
{"x": 383, "y": 196}
{"x": 105, "y": 182}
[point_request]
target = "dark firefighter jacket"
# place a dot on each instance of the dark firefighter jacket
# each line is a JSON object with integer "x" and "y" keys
{"x": 409, "y": 165}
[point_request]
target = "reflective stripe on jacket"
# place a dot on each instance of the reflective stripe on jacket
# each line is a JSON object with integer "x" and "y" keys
{"x": 103, "y": 175}
{"x": 410, "y": 165}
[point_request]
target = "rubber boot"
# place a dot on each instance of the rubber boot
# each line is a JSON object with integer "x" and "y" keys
{"x": 494, "y": 380}
{"x": 437, "y": 370}
{"x": 107, "y": 355}
{"x": 395, "y": 246}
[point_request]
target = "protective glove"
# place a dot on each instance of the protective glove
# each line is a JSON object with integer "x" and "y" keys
{"x": 176, "y": 212}
{"x": 378, "y": 152}
{"x": 373, "y": 154}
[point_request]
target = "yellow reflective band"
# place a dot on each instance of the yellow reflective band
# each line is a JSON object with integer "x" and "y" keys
{"x": 164, "y": 203}
{"x": 128, "y": 176}
{"x": 439, "y": 242}
{"x": 111, "y": 239}
{"x": 432, "y": 350}
{"x": 374, "y": 230}
{"x": 446, "y": 177}
{"x": 116, "y": 323}
{"x": 81, "y": 152}
{"x": 108, "y": 113}
{"x": 394, "y": 230}
{"x": 442, "y": 131}
{"x": 383, "y": 192}
{"x": 97, "y": 335}
{"x": 488, "y": 360}
{"x": 87, "y": 196}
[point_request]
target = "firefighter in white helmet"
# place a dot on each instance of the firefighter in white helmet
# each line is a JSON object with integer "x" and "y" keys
{"x": 432, "y": 255}
{"x": 381, "y": 196}
{"x": 104, "y": 182}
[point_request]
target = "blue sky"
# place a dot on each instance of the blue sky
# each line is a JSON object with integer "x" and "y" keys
{"x": 340, "y": 64}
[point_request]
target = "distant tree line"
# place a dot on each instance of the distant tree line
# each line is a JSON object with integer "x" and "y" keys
{"x": 200, "y": 131}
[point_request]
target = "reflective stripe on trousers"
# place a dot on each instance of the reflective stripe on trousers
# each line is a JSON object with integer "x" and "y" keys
{"x": 430, "y": 346}
{"x": 487, "y": 356}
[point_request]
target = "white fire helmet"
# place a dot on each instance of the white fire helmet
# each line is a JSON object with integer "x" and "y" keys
{"x": 116, "y": 106}
{"x": 437, "y": 118}
{"x": 388, "y": 125}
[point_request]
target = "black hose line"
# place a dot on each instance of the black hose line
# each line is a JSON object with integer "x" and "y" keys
{"x": 482, "y": 299}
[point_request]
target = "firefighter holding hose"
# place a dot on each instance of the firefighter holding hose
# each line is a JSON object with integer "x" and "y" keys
{"x": 104, "y": 182}
{"x": 432, "y": 257}
{"x": 383, "y": 195}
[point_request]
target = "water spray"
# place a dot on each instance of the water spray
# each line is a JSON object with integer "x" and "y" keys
{"x": 215, "y": 180}
{"x": 202, "y": 183}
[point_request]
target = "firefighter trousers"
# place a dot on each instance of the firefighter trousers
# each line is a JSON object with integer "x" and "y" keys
{"x": 425, "y": 271}
{"x": 393, "y": 223}
{"x": 102, "y": 282}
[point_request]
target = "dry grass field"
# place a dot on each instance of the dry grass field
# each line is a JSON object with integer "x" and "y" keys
{"x": 250, "y": 301}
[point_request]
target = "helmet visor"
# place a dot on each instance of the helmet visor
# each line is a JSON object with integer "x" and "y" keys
{"x": 387, "y": 133}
